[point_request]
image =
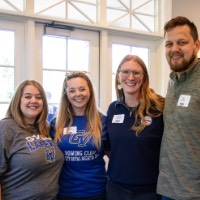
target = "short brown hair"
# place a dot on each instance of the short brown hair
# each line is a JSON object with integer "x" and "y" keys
{"x": 181, "y": 21}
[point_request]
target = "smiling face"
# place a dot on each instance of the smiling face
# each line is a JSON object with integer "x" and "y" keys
{"x": 31, "y": 103}
{"x": 131, "y": 84}
{"x": 181, "y": 49}
{"x": 78, "y": 94}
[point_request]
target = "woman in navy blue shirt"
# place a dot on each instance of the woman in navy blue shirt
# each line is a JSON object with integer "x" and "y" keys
{"x": 135, "y": 128}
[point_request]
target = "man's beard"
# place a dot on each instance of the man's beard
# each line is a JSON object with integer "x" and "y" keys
{"x": 185, "y": 65}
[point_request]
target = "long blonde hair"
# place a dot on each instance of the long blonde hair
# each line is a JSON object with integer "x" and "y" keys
{"x": 150, "y": 103}
{"x": 14, "y": 110}
{"x": 66, "y": 114}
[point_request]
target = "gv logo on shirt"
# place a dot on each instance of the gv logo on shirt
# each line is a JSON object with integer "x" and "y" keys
{"x": 81, "y": 138}
{"x": 50, "y": 155}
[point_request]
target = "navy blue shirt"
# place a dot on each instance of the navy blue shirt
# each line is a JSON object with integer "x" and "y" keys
{"x": 134, "y": 159}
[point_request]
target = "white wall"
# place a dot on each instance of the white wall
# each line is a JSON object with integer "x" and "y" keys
{"x": 187, "y": 8}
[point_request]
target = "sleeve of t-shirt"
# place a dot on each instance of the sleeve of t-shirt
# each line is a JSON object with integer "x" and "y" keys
{"x": 108, "y": 114}
{"x": 5, "y": 147}
{"x": 105, "y": 139}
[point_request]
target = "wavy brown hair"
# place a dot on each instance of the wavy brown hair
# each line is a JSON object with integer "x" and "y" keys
{"x": 14, "y": 110}
{"x": 66, "y": 113}
{"x": 150, "y": 103}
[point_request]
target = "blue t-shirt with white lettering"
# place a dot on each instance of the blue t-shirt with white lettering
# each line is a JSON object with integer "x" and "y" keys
{"x": 83, "y": 173}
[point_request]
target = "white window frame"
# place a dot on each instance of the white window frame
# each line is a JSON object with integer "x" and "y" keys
{"x": 77, "y": 34}
{"x": 155, "y": 70}
{"x": 19, "y": 28}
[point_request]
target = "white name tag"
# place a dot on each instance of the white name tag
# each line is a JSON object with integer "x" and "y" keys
{"x": 73, "y": 130}
{"x": 118, "y": 118}
{"x": 184, "y": 100}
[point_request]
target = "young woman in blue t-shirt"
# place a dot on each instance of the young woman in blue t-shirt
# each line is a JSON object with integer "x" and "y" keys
{"x": 79, "y": 131}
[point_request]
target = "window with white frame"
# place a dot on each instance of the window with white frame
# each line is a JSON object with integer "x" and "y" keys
{"x": 121, "y": 46}
{"x": 132, "y": 17}
{"x": 137, "y": 15}
{"x": 75, "y": 52}
{"x": 11, "y": 60}
{"x": 7, "y": 68}
{"x": 73, "y": 56}
{"x": 13, "y": 6}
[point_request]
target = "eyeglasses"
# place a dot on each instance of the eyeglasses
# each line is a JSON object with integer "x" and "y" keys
{"x": 126, "y": 73}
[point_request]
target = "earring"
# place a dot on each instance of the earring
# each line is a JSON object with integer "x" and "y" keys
{"x": 119, "y": 86}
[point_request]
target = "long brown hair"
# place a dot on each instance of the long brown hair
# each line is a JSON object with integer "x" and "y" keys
{"x": 66, "y": 113}
{"x": 14, "y": 110}
{"x": 149, "y": 101}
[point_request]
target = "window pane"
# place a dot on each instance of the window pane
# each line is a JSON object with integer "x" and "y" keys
{"x": 40, "y": 5}
{"x": 7, "y": 68}
{"x": 13, "y": 5}
{"x": 118, "y": 52}
{"x": 6, "y": 83}
{"x": 143, "y": 53}
{"x": 59, "y": 11}
{"x": 51, "y": 58}
{"x": 18, "y": 4}
{"x": 136, "y": 14}
{"x": 3, "y": 108}
{"x": 6, "y": 48}
{"x": 78, "y": 55}
{"x": 84, "y": 10}
{"x": 73, "y": 55}
{"x": 52, "y": 83}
